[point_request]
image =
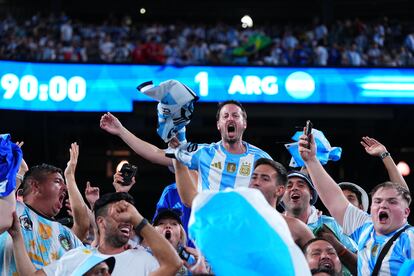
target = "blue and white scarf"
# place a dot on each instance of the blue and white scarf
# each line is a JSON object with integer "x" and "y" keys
{"x": 175, "y": 107}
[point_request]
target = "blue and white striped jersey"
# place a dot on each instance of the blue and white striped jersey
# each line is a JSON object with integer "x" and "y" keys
{"x": 46, "y": 240}
{"x": 219, "y": 169}
{"x": 359, "y": 226}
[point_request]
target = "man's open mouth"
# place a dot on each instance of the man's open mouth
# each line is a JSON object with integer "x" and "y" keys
{"x": 62, "y": 198}
{"x": 295, "y": 196}
{"x": 231, "y": 128}
{"x": 383, "y": 216}
{"x": 125, "y": 229}
{"x": 168, "y": 234}
{"x": 326, "y": 264}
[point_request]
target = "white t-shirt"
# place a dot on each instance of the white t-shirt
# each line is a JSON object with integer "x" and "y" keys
{"x": 135, "y": 261}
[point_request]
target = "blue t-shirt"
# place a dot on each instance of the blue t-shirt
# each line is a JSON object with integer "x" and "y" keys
{"x": 219, "y": 169}
{"x": 359, "y": 226}
{"x": 170, "y": 199}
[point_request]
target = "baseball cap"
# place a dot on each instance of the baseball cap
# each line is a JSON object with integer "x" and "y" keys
{"x": 307, "y": 179}
{"x": 161, "y": 213}
{"x": 10, "y": 158}
{"x": 83, "y": 260}
{"x": 364, "y": 195}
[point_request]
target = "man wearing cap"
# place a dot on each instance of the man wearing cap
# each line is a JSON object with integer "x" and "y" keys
{"x": 298, "y": 201}
{"x": 116, "y": 218}
{"x": 355, "y": 195}
{"x": 87, "y": 263}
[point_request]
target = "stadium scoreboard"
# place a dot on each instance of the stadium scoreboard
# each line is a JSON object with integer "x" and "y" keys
{"x": 112, "y": 87}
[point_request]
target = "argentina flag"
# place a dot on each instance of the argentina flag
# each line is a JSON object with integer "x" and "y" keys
{"x": 324, "y": 151}
{"x": 240, "y": 234}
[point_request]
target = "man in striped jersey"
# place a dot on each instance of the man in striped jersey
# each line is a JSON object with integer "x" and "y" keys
{"x": 389, "y": 212}
{"x": 227, "y": 163}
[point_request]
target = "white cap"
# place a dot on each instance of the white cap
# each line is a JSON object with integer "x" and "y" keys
{"x": 364, "y": 195}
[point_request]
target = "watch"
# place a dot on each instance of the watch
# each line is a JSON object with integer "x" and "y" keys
{"x": 385, "y": 154}
{"x": 141, "y": 225}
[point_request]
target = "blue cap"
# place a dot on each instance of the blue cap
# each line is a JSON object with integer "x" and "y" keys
{"x": 308, "y": 181}
{"x": 10, "y": 158}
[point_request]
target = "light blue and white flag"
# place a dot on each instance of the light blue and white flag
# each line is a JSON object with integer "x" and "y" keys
{"x": 175, "y": 107}
{"x": 240, "y": 234}
{"x": 324, "y": 151}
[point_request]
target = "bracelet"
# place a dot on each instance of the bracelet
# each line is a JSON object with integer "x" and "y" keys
{"x": 385, "y": 154}
{"x": 19, "y": 176}
{"x": 343, "y": 252}
{"x": 141, "y": 225}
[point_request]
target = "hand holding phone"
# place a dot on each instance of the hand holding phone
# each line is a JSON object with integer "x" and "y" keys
{"x": 128, "y": 171}
{"x": 186, "y": 256}
{"x": 308, "y": 131}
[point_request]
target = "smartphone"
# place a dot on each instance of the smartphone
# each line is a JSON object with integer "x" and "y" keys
{"x": 128, "y": 171}
{"x": 186, "y": 256}
{"x": 308, "y": 130}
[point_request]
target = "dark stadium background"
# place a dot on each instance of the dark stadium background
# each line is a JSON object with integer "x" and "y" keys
{"x": 47, "y": 135}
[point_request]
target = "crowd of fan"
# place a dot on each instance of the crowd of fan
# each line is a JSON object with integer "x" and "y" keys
{"x": 343, "y": 43}
{"x": 226, "y": 194}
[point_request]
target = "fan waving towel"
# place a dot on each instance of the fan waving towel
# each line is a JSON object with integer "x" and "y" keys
{"x": 324, "y": 151}
{"x": 241, "y": 234}
{"x": 175, "y": 107}
{"x": 10, "y": 158}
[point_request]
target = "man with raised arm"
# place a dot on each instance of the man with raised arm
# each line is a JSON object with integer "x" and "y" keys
{"x": 358, "y": 196}
{"x": 45, "y": 239}
{"x": 227, "y": 163}
{"x": 389, "y": 212}
{"x": 375, "y": 148}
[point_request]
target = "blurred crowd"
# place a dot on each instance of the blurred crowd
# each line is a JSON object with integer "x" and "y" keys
{"x": 350, "y": 42}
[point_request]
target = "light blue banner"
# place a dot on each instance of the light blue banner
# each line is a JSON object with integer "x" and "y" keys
{"x": 98, "y": 87}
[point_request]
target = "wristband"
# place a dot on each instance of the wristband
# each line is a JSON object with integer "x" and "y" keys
{"x": 19, "y": 176}
{"x": 385, "y": 154}
{"x": 141, "y": 225}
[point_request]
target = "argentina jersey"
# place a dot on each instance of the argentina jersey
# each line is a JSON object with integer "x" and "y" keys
{"x": 359, "y": 226}
{"x": 219, "y": 169}
{"x": 45, "y": 240}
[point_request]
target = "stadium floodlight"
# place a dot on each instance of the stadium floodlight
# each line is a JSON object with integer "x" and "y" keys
{"x": 403, "y": 168}
{"x": 247, "y": 21}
